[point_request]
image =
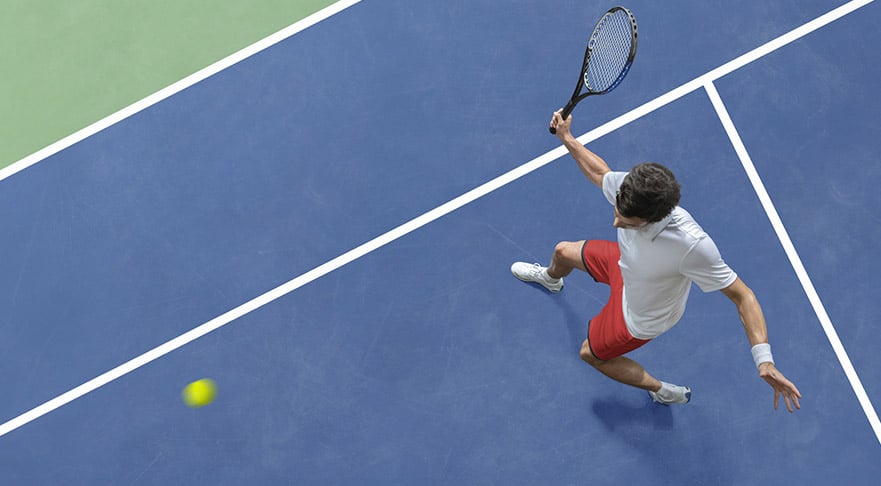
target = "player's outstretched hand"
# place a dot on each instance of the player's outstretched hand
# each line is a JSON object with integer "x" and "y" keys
{"x": 781, "y": 386}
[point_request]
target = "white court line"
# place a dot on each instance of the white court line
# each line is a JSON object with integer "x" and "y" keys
{"x": 422, "y": 220}
{"x": 794, "y": 259}
{"x": 177, "y": 87}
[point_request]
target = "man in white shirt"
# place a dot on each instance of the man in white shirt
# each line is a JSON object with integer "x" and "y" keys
{"x": 660, "y": 251}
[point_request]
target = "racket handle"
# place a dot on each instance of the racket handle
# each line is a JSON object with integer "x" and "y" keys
{"x": 567, "y": 110}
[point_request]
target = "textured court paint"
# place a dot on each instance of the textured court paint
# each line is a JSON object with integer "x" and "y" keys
{"x": 431, "y": 380}
{"x": 436, "y": 213}
{"x": 68, "y": 64}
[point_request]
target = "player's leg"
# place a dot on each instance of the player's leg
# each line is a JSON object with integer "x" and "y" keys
{"x": 566, "y": 257}
{"x": 625, "y": 370}
{"x": 621, "y": 369}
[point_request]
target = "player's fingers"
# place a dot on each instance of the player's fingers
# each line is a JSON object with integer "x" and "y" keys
{"x": 791, "y": 391}
{"x": 776, "y": 399}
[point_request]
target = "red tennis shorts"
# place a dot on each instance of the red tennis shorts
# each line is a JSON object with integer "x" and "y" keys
{"x": 607, "y": 333}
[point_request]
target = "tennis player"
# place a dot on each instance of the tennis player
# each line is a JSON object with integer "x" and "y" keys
{"x": 660, "y": 251}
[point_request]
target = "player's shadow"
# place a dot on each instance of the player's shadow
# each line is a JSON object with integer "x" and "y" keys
{"x": 644, "y": 425}
{"x": 576, "y": 324}
{"x": 615, "y": 414}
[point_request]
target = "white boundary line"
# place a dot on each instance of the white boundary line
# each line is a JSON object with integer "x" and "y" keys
{"x": 794, "y": 259}
{"x": 422, "y": 220}
{"x": 177, "y": 87}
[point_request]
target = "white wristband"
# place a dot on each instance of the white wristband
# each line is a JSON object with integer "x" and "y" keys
{"x": 762, "y": 354}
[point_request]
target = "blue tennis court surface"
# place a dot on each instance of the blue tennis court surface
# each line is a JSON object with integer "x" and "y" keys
{"x": 423, "y": 361}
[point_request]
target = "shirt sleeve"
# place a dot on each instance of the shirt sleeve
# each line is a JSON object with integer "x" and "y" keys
{"x": 704, "y": 265}
{"x": 611, "y": 182}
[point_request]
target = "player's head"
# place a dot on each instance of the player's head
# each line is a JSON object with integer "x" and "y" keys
{"x": 649, "y": 192}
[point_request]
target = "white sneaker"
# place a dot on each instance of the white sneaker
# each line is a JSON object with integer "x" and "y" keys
{"x": 536, "y": 273}
{"x": 682, "y": 395}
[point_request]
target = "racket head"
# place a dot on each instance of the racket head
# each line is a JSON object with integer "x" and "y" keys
{"x": 610, "y": 52}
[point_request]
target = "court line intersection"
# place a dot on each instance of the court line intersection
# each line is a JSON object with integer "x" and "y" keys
{"x": 794, "y": 259}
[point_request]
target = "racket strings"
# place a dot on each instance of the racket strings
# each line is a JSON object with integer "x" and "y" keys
{"x": 610, "y": 48}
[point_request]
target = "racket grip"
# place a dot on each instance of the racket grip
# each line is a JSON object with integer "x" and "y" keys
{"x": 567, "y": 110}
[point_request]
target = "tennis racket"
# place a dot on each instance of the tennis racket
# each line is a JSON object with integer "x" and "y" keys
{"x": 610, "y": 51}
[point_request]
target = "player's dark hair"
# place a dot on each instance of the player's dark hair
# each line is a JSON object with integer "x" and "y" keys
{"x": 650, "y": 192}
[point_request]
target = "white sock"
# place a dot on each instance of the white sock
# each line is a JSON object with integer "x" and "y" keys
{"x": 544, "y": 273}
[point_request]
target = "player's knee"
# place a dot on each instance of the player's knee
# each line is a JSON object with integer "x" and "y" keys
{"x": 561, "y": 249}
{"x": 587, "y": 355}
{"x": 566, "y": 252}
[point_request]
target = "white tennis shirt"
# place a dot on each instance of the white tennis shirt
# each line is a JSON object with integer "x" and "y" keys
{"x": 659, "y": 262}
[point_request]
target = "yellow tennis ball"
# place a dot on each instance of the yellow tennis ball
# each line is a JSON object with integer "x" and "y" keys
{"x": 200, "y": 393}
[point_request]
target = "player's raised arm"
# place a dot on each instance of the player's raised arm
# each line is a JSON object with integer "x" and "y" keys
{"x": 591, "y": 164}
